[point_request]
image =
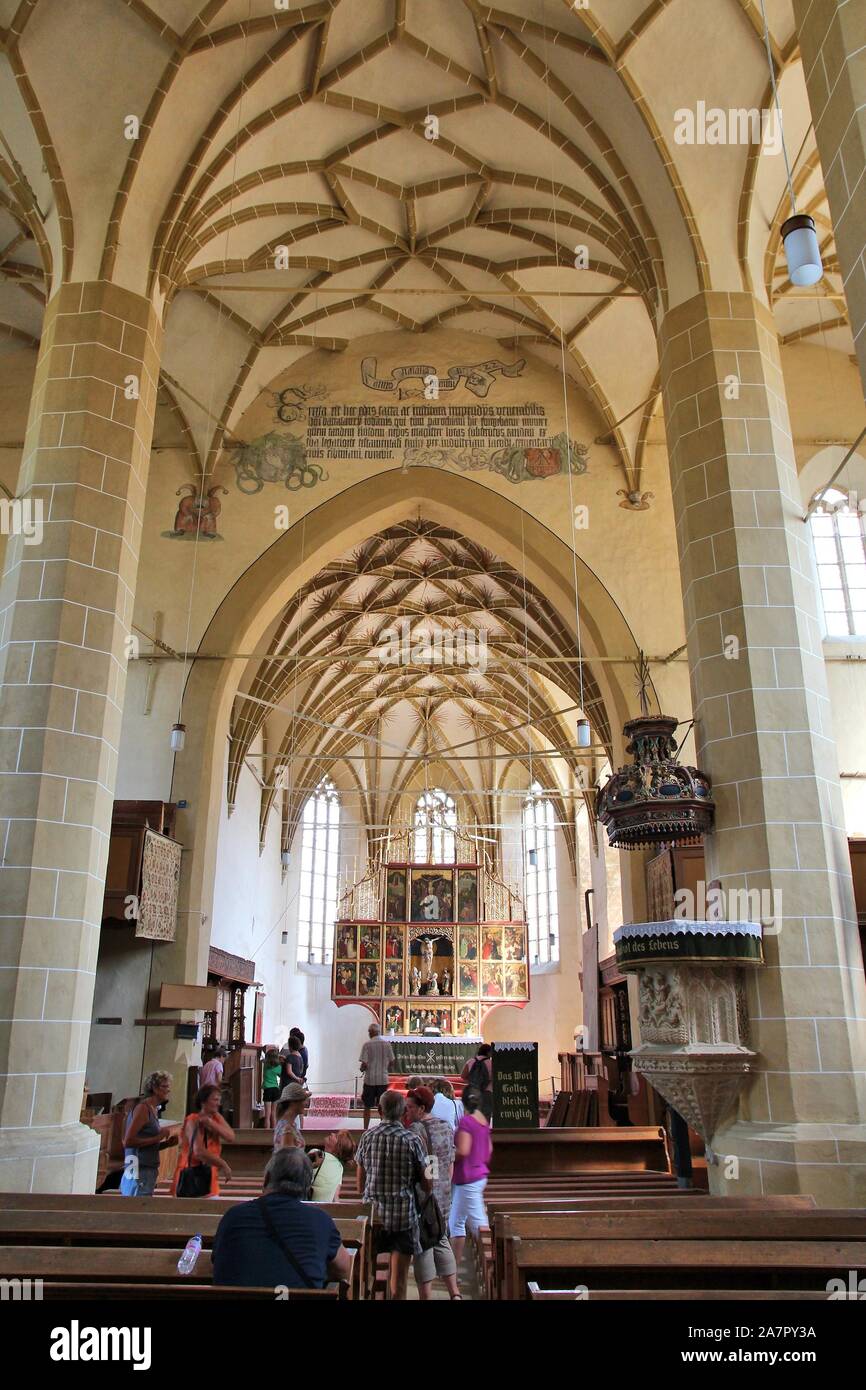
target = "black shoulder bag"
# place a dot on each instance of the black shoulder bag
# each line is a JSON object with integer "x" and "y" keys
{"x": 278, "y": 1240}
{"x": 195, "y": 1179}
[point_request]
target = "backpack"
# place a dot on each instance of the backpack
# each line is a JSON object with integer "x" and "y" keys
{"x": 479, "y": 1077}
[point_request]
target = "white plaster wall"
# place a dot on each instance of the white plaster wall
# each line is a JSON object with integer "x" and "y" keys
{"x": 555, "y": 1007}
{"x": 846, "y": 678}
{"x": 253, "y": 907}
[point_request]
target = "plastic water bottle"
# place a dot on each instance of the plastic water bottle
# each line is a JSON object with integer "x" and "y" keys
{"x": 186, "y": 1263}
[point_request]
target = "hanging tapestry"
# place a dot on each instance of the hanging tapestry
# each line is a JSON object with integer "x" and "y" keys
{"x": 160, "y": 878}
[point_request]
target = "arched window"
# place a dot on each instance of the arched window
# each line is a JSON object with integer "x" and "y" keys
{"x": 542, "y": 912}
{"x": 435, "y": 823}
{"x": 320, "y": 849}
{"x": 840, "y": 551}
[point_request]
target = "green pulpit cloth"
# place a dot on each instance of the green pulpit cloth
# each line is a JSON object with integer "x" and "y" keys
{"x": 685, "y": 942}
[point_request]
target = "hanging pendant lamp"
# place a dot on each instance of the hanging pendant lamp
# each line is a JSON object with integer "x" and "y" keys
{"x": 799, "y": 238}
{"x": 801, "y": 249}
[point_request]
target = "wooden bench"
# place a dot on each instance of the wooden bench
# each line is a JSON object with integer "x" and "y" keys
{"x": 538, "y": 1295}
{"x": 533, "y": 1152}
{"x": 206, "y": 1292}
{"x": 154, "y": 1232}
{"x": 109, "y": 1202}
{"x": 697, "y": 1201}
{"x": 704, "y": 1262}
{"x": 127, "y": 1268}
{"x": 689, "y": 1264}
{"x": 539, "y": 1206}
{"x": 506, "y": 1192}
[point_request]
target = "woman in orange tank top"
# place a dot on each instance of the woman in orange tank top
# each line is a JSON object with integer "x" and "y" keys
{"x": 202, "y": 1138}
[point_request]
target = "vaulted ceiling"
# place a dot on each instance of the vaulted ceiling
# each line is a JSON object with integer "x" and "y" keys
{"x": 285, "y": 178}
{"x": 404, "y": 163}
{"x": 338, "y": 695}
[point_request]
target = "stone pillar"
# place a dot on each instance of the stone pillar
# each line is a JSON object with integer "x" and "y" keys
{"x": 832, "y": 37}
{"x": 65, "y": 609}
{"x": 764, "y": 736}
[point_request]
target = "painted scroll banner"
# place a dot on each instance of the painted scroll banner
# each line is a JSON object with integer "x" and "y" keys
{"x": 160, "y": 879}
{"x": 452, "y": 411}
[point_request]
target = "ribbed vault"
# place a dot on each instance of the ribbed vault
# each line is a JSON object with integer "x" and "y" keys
{"x": 301, "y": 133}
{"x": 334, "y": 692}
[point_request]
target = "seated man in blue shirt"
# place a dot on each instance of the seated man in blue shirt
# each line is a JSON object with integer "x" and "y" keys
{"x": 279, "y": 1239}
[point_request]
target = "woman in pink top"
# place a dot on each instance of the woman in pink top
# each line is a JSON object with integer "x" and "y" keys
{"x": 474, "y": 1145}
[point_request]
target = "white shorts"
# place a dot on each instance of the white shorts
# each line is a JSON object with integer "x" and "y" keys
{"x": 467, "y": 1207}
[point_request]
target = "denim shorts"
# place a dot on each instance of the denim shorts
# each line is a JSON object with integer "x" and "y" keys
{"x": 467, "y": 1207}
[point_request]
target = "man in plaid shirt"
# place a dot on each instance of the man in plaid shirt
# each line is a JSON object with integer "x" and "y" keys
{"x": 390, "y": 1161}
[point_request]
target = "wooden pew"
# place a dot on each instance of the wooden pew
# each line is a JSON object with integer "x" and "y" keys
{"x": 691, "y": 1264}
{"x": 108, "y": 1202}
{"x": 696, "y": 1201}
{"x": 750, "y": 1249}
{"x": 120, "y": 1272}
{"x": 533, "y": 1152}
{"x": 75, "y": 1272}
{"x": 72, "y": 1292}
{"x": 538, "y": 1295}
{"x": 154, "y": 1231}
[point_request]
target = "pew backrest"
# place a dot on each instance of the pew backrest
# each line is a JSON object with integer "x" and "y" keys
{"x": 677, "y": 1263}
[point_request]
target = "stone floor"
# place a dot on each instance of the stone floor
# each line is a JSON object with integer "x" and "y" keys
{"x": 467, "y": 1281}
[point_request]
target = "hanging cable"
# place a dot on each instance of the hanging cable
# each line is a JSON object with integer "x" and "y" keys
{"x": 778, "y": 107}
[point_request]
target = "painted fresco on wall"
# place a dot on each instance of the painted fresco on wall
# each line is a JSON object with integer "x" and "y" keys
{"x": 516, "y": 464}
{"x": 197, "y": 514}
{"x": 448, "y": 414}
{"x": 275, "y": 458}
{"x": 427, "y": 385}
